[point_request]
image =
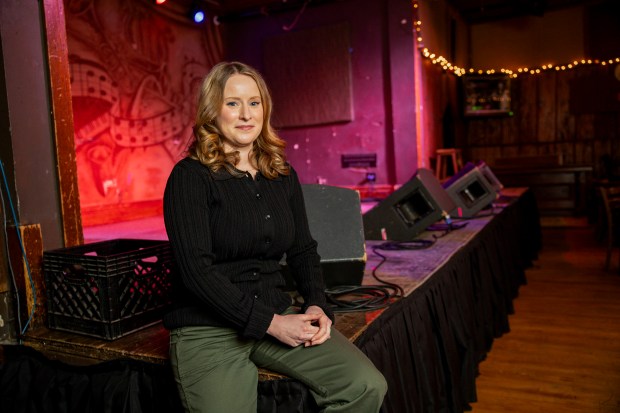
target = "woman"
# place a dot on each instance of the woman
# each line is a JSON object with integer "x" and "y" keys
{"x": 232, "y": 208}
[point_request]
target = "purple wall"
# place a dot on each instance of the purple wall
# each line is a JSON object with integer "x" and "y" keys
{"x": 381, "y": 47}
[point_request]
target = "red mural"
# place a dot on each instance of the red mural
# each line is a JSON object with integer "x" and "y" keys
{"x": 134, "y": 71}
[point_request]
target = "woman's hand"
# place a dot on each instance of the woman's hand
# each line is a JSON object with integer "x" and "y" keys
{"x": 309, "y": 329}
{"x": 323, "y": 322}
{"x": 294, "y": 329}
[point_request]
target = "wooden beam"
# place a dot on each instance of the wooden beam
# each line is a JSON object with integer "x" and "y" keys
{"x": 28, "y": 273}
{"x": 62, "y": 113}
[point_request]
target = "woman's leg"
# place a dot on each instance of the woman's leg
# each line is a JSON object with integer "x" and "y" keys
{"x": 212, "y": 370}
{"x": 341, "y": 377}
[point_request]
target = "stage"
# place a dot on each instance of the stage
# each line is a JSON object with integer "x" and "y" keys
{"x": 458, "y": 295}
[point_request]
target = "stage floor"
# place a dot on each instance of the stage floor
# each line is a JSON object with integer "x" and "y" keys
{"x": 145, "y": 228}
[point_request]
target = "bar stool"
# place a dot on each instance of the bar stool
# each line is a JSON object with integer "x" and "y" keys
{"x": 448, "y": 155}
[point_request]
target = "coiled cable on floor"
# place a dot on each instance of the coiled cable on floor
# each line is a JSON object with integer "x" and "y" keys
{"x": 350, "y": 298}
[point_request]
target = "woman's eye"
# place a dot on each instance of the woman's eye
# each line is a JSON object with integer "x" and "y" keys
{"x": 231, "y": 103}
{"x": 254, "y": 103}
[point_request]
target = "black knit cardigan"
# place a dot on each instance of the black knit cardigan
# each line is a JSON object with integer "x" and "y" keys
{"x": 228, "y": 235}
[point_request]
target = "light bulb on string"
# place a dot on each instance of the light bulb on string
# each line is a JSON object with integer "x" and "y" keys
{"x": 446, "y": 65}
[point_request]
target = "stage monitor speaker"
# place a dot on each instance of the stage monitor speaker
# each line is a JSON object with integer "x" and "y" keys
{"x": 335, "y": 220}
{"x": 407, "y": 211}
{"x": 439, "y": 194}
{"x": 470, "y": 191}
{"x": 489, "y": 176}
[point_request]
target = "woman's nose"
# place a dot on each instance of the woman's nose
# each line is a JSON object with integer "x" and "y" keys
{"x": 245, "y": 113}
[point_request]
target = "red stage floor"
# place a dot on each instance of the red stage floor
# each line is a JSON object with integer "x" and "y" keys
{"x": 146, "y": 228}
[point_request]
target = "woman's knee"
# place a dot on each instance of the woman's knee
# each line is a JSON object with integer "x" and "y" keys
{"x": 366, "y": 388}
{"x": 374, "y": 384}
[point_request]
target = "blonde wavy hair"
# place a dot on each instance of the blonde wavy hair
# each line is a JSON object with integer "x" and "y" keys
{"x": 207, "y": 146}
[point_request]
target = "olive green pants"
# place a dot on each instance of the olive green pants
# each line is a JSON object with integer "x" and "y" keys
{"x": 216, "y": 371}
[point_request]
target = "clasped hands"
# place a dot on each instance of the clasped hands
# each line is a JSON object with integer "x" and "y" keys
{"x": 310, "y": 329}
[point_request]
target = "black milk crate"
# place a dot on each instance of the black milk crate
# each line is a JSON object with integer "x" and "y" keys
{"x": 108, "y": 289}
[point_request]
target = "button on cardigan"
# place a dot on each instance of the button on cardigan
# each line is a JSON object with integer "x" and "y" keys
{"x": 228, "y": 235}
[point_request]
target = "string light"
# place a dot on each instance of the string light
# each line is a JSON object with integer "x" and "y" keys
{"x": 459, "y": 71}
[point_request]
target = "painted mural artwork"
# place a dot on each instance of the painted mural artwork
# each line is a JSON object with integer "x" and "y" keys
{"x": 134, "y": 73}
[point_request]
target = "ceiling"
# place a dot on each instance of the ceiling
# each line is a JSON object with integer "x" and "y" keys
{"x": 485, "y": 11}
{"x": 232, "y": 9}
{"x": 472, "y": 11}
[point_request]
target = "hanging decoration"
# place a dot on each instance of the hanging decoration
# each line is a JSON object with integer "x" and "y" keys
{"x": 460, "y": 71}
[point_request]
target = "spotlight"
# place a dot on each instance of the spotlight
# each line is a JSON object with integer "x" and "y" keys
{"x": 197, "y": 13}
{"x": 199, "y": 16}
{"x": 159, "y": 2}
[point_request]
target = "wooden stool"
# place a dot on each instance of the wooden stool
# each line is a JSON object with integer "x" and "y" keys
{"x": 441, "y": 167}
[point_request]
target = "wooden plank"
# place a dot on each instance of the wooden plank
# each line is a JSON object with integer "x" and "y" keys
{"x": 510, "y": 133}
{"x": 488, "y": 154}
{"x": 564, "y": 121}
{"x": 28, "y": 273}
{"x": 509, "y": 152}
{"x": 585, "y": 126}
{"x": 546, "y": 104}
{"x": 62, "y": 111}
{"x": 543, "y": 123}
{"x": 150, "y": 344}
{"x": 493, "y": 130}
{"x": 527, "y": 107}
{"x": 531, "y": 161}
{"x": 5, "y": 285}
{"x": 475, "y": 132}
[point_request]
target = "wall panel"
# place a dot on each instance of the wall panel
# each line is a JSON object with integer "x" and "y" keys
{"x": 548, "y": 121}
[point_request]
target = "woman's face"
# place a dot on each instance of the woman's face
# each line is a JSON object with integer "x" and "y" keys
{"x": 241, "y": 116}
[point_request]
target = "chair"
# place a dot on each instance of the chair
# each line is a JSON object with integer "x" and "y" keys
{"x": 611, "y": 202}
{"x": 450, "y": 155}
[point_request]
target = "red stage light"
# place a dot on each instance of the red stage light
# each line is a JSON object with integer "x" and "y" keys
{"x": 160, "y": 2}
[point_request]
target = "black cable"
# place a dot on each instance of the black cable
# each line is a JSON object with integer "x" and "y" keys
{"x": 373, "y": 297}
{"x": 397, "y": 246}
{"x": 359, "y": 298}
{"x": 446, "y": 228}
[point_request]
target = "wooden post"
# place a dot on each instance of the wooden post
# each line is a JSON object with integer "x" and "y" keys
{"x": 8, "y": 330}
{"x": 28, "y": 273}
{"x": 62, "y": 110}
